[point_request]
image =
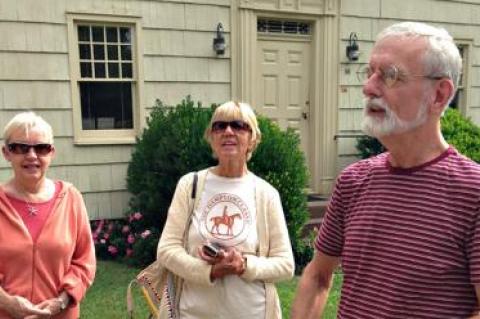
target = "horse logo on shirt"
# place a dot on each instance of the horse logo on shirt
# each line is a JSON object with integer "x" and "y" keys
{"x": 225, "y": 219}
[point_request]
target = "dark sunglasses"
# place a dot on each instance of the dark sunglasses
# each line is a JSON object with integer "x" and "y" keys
{"x": 21, "y": 148}
{"x": 236, "y": 126}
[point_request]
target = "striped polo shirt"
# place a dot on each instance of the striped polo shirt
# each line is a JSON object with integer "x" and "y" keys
{"x": 409, "y": 239}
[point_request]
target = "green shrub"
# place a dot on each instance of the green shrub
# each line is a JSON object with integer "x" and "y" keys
{"x": 144, "y": 250}
{"x": 129, "y": 238}
{"x": 279, "y": 160}
{"x": 170, "y": 146}
{"x": 458, "y": 131}
{"x": 368, "y": 146}
{"x": 462, "y": 133}
{"x": 173, "y": 145}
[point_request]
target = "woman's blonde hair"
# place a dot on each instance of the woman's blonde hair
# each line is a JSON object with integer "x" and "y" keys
{"x": 232, "y": 110}
{"x": 27, "y": 121}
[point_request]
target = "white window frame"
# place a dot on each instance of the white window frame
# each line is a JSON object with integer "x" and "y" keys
{"x": 107, "y": 136}
{"x": 463, "y": 85}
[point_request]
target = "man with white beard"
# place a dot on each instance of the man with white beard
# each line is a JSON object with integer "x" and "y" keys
{"x": 404, "y": 225}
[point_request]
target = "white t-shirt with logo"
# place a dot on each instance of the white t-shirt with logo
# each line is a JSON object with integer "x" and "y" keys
{"x": 226, "y": 214}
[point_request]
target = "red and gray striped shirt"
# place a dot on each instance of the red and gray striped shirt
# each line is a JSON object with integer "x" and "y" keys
{"x": 409, "y": 239}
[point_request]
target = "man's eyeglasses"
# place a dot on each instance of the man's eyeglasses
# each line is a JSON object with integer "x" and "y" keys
{"x": 41, "y": 149}
{"x": 390, "y": 75}
{"x": 236, "y": 126}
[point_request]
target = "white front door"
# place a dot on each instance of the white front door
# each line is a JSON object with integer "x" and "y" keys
{"x": 282, "y": 85}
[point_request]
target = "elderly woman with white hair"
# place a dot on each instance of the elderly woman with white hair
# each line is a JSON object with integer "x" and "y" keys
{"x": 236, "y": 245}
{"x": 47, "y": 258}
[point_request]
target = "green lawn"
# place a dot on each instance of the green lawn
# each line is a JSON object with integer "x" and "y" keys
{"x": 106, "y": 298}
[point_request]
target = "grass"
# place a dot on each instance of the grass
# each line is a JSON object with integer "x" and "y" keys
{"x": 107, "y": 296}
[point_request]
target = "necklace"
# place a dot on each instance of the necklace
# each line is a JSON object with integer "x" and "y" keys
{"x": 32, "y": 210}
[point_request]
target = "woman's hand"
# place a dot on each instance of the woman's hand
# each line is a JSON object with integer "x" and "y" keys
{"x": 19, "y": 307}
{"x": 209, "y": 259}
{"x": 54, "y": 306}
{"x": 229, "y": 262}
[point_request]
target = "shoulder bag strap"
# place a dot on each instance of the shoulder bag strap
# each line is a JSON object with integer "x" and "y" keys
{"x": 193, "y": 195}
{"x": 130, "y": 305}
{"x": 174, "y": 283}
{"x": 194, "y": 186}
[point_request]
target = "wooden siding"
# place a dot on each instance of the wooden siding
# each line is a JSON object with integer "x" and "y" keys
{"x": 172, "y": 93}
{"x": 178, "y": 59}
{"x": 367, "y": 18}
{"x": 35, "y": 93}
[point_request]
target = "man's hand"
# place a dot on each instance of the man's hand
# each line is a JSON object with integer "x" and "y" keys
{"x": 314, "y": 286}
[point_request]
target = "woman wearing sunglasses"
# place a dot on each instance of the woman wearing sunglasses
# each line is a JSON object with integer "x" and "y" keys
{"x": 236, "y": 245}
{"x": 47, "y": 258}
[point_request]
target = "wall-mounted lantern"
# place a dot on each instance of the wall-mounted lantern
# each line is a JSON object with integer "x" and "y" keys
{"x": 219, "y": 40}
{"x": 353, "y": 51}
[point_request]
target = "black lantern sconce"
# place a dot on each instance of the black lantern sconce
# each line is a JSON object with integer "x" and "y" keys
{"x": 352, "y": 48}
{"x": 219, "y": 41}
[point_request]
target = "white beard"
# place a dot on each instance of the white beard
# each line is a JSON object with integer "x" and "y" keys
{"x": 390, "y": 123}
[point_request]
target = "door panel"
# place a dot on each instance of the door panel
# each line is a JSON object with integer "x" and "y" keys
{"x": 282, "y": 85}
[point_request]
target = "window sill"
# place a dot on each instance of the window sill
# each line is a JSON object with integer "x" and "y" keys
{"x": 104, "y": 140}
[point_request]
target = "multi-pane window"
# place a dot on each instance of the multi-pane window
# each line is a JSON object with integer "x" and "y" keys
{"x": 282, "y": 26}
{"x": 458, "y": 101}
{"x": 107, "y": 74}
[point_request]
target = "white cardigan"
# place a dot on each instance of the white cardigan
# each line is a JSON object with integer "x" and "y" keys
{"x": 273, "y": 261}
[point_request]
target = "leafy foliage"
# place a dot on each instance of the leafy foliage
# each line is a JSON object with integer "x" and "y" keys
{"x": 462, "y": 133}
{"x": 128, "y": 238}
{"x": 458, "y": 131}
{"x": 173, "y": 145}
{"x": 278, "y": 160}
{"x": 368, "y": 146}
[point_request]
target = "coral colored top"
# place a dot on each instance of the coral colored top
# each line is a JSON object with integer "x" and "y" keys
{"x": 62, "y": 258}
{"x": 34, "y": 222}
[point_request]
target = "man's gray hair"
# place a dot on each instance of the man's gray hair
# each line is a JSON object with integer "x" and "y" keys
{"x": 441, "y": 59}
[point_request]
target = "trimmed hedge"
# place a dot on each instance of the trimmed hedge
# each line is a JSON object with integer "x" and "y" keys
{"x": 170, "y": 146}
{"x": 462, "y": 133}
{"x": 368, "y": 146}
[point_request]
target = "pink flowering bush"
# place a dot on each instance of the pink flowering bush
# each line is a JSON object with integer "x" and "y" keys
{"x": 129, "y": 239}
